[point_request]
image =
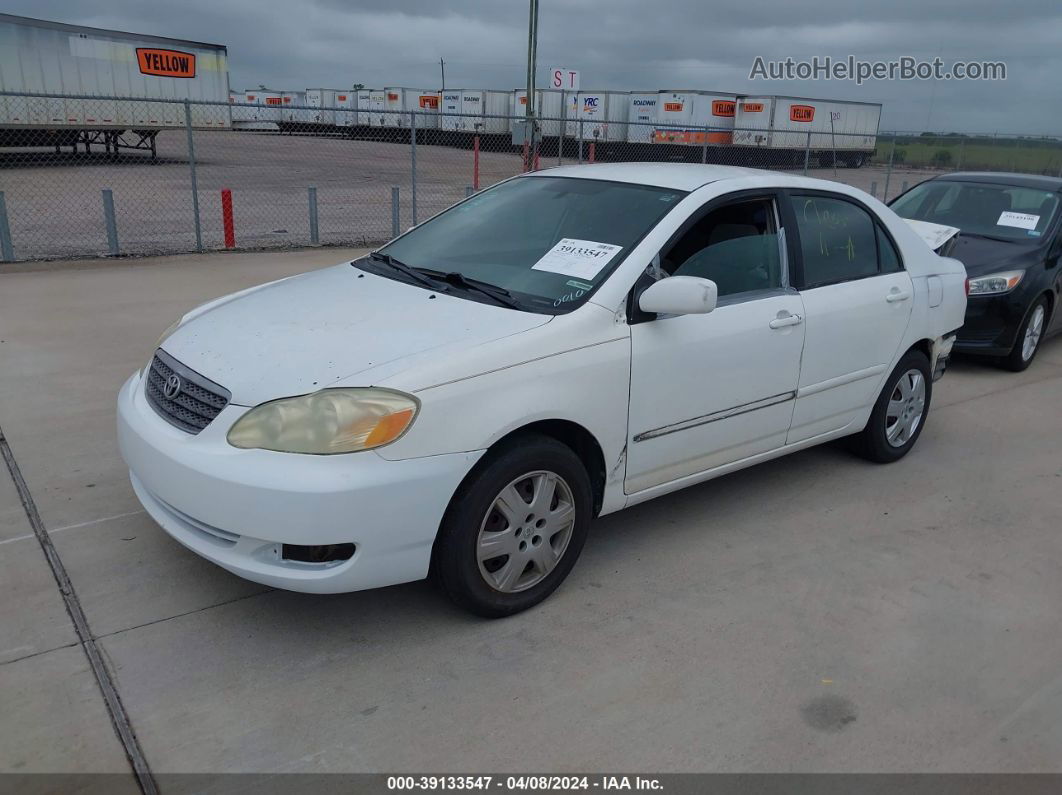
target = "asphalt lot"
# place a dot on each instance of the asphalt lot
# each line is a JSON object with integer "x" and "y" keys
{"x": 55, "y": 207}
{"x": 816, "y": 613}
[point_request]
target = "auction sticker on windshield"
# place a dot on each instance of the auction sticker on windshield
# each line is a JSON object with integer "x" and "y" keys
{"x": 582, "y": 259}
{"x": 1020, "y": 220}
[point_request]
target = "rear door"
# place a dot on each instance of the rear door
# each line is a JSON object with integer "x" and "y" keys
{"x": 857, "y": 301}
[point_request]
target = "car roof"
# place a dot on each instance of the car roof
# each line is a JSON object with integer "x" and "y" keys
{"x": 677, "y": 176}
{"x": 1035, "y": 181}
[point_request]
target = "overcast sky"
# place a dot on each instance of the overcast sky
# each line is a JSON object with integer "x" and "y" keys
{"x": 626, "y": 44}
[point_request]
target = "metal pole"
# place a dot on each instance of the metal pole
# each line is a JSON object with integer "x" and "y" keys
{"x": 563, "y": 125}
{"x": 195, "y": 182}
{"x": 395, "y": 223}
{"x": 413, "y": 161}
{"x": 580, "y": 139}
{"x": 833, "y": 146}
{"x": 874, "y": 189}
{"x": 108, "y": 220}
{"x": 704, "y": 146}
{"x": 532, "y": 47}
{"x": 962, "y": 147}
{"x": 315, "y": 238}
{"x": 888, "y": 171}
{"x": 442, "y": 68}
{"x": 807, "y": 153}
{"x": 469, "y": 191}
{"x": 903, "y": 187}
{"x": 7, "y": 250}
{"x": 529, "y": 110}
{"x": 228, "y": 224}
{"x": 475, "y": 159}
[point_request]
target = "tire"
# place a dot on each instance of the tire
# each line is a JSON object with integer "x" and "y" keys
{"x": 532, "y": 560}
{"x": 888, "y": 435}
{"x": 1025, "y": 346}
{"x": 856, "y": 160}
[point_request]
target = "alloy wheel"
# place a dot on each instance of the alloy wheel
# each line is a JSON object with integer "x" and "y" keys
{"x": 526, "y": 531}
{"x": 906, "y": 405}
{"x": 1032, "y": 333}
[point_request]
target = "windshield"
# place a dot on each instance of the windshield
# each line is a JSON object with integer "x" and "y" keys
{"x": 548, "y": 241}
{"x": 996, "y": 211}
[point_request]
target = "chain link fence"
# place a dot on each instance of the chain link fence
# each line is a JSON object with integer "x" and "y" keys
{"x": 119, "y": 176}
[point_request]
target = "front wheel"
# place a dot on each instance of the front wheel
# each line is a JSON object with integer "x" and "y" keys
{"x": 515, "y": 528}
{"x": 899, "y": 413}
{"x": 1029, "y": 337}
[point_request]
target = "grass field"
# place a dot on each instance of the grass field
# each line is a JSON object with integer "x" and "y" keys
{"x": 1026, "y": 155}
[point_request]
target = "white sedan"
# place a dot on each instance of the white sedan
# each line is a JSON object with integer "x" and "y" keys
{"x": 463, "y": 401}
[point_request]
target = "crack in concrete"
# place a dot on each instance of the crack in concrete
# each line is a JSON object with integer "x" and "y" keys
{"x": 111, "y": 698}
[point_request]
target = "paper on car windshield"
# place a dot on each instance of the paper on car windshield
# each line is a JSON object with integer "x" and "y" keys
{"x": 1020, "y": 220}
{"x": 582, "y": 259}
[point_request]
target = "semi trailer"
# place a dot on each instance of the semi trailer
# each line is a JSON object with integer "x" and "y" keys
{"x": 74, "y": 63}
{"x": 779, "y": 130}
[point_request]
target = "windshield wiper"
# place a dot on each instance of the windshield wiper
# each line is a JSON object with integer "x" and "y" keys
{"x": 401, "y": 267}
{"x": 987, "y": 237}
{"x": 499, "y": 294}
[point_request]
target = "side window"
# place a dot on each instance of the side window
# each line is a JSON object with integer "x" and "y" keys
{"x": 837, "y": 239}
{"x": 736, "y": 246}
{"x": 888, "y": 257}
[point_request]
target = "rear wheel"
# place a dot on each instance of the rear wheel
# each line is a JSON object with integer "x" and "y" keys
{"x": 1029, "y": 337}
{"x": 899, "y": 413}
{"x": 515, "y": 528}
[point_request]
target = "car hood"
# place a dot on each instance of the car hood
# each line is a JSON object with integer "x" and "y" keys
{"x": 982, "y": 256}
{"x": 315, "y": 330}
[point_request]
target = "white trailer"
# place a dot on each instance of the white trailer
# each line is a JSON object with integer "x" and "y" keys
{"x": 346, "y": 112}
{"x": 551, "y": 106}
{"x": 41, "y": 57}
{"x": 599, "y": 116}
{"x": 293, "y": 112}
{"x": 474, "y": 110}
{"x": 253, "y": 112}
{"x": 694, "y": 118}
{"x": 372, "y": 107}
{"x": 641, "y": 116}
{"x": 497, "y": 108}
{"x": 787, "y": 126}
{"x": 402, "y": 101}
{"x": 323, "y": 102}
{"x": 450, "y": 109}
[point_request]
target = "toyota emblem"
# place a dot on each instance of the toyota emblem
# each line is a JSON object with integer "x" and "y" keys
{"x": 172, "y": 387}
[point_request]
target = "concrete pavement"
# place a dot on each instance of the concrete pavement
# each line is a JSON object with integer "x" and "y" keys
{"x": 813, "y": 613}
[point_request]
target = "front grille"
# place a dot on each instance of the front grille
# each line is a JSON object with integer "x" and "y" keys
{"x": 197, "y": 402}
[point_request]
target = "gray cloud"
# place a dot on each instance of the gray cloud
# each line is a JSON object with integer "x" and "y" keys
{"x": 626, "y": 44}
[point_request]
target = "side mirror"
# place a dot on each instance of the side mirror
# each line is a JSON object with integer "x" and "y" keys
{"x": 680, "y": 295}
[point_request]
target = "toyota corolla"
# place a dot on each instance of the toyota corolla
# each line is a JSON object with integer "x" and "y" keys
{"x": 463, "y": 401}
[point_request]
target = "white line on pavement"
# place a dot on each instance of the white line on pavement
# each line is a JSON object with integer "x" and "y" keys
{"x": 73, "y": 526}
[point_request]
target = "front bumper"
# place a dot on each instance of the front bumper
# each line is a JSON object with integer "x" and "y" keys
{"x": 238, "y": 507}
{"x": 991, "y": 324}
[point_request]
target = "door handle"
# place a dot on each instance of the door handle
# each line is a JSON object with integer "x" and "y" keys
{"x": 787, "y": 320}
{"x": 892, "y": 298}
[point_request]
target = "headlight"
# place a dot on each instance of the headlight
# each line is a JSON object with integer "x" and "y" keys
{"x": 326, "y": 422}
{"x": 995, "y": 283}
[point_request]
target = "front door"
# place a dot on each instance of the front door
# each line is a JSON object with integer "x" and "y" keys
{"x": 707, "y": 390}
